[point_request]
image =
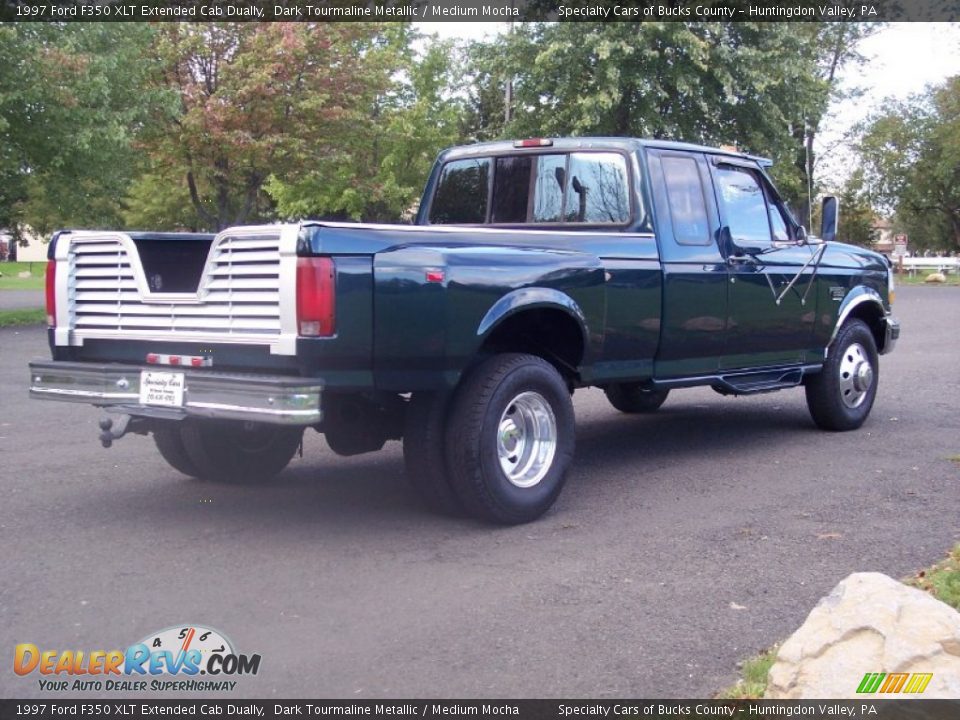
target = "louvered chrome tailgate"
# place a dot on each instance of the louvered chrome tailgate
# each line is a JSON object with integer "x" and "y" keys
{"x": 245, "y": 295}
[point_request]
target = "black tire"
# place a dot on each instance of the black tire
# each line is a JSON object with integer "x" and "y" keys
{"x": 510, "y": 388}
{"x": 840, "y": 397}
{"x": 634, "y": 398}
{"x": 424, "y": 455}
{"x": 238, "y": 452}
{"x": 170, "y": 444}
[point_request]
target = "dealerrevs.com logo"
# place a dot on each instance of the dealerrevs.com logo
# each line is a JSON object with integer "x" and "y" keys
{"x": 181, "y": 658}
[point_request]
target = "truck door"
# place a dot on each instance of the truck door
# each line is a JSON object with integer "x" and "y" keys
{"x": 769, "y": 322}
{"x": 693, "y": 325}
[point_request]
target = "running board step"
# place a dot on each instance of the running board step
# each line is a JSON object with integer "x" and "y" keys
{"x": 751, "y": 383}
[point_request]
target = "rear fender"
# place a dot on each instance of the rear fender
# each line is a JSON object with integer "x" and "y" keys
{"x": 529, "y": 299}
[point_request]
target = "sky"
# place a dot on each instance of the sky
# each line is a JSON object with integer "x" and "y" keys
{"x": 901, "y": 59}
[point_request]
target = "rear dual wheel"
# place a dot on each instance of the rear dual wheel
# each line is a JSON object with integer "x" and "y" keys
{"x": 510, "y": 439}
{"x": 229, "y": 452}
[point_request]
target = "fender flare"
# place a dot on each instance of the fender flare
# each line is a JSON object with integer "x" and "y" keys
{"x": 532, "y": 298}
{"x": 858, "y": 296}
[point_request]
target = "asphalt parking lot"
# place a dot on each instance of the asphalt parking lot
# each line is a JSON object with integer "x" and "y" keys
{"x": 683, "y": 542}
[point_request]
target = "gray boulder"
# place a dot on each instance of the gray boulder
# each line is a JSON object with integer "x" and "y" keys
{"x": 869, "y": 623}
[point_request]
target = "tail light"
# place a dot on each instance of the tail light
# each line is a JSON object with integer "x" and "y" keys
{"x": 51, "y": 287}
{"x": 316, "y": 293}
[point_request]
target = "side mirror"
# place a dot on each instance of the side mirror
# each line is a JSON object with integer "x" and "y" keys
{"x": 802, "y": 237}
{"x": 830, "y": 218}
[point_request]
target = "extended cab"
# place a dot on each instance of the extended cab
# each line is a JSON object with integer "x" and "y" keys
{"x": 534, "y": 268}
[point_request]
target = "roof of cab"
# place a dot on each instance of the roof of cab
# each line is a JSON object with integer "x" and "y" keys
{"x": 595, "y": 143}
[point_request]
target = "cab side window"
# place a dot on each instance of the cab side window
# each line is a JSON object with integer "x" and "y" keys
{"x": 597, "y": 191}
{"x": 461, "y": 195}
{"x": 688, "y": 207}
{"x": 745, "y": 205}
{"x": 778, "y": 223}
{"x": 753, "y": 213}
{"x": 583, "y": 188}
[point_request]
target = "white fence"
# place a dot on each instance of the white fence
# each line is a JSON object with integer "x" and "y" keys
{"x": 931, "y": 264}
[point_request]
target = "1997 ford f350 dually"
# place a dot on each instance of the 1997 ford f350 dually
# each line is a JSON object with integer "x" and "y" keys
{"x": 534, "y": 268}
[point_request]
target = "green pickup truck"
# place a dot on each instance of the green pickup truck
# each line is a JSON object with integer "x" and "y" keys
{"x": 534, "y": 268}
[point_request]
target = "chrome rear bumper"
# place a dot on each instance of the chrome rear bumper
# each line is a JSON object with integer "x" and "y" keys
{"x": 275, "y": 399}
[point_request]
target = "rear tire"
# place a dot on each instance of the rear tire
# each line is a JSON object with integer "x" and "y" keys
{"x": 634, "y": 397}
{"x": 170, "y": 444}
{"x": 841, "y": 395}
{"x": 510, "y": 438}
{"x": 238, "y": 452}
{"x": 424, "y": 455}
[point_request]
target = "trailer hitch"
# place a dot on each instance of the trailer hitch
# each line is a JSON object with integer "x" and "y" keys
{"x": 110, "y": 430}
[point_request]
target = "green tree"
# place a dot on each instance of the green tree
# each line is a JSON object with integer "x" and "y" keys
{"x": 380, "y": 170}
{"x": 762, "y": 86}
{"x": 72, "y": 98}
{"x": 857, "y": 215}
{"x": 259, "y": 103}
{"x": 911, "y": 160}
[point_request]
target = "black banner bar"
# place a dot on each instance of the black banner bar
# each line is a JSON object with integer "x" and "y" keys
{"x": 869, "y": 708}
{"x": 481, "y": 10}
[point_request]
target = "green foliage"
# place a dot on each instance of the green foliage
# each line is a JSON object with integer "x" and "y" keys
{"x": 380, "y": 168}
{"x": 762, "y": 86}
{"x": 911, "y": 160}
{"x": 204, "y": 125}
{"x": 753, "y": 677}
{"x": 252, "y": 100}
{"x": 71, "y": 99}
{"x": 856, "y": 212}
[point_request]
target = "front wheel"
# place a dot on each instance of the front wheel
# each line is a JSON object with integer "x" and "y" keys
{"x": 841, "y": 396}
{"x": 232, "y": 452}
{"x": 510, "y": 438}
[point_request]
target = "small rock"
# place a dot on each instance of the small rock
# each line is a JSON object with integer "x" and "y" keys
{"x": 869, "y": 623}
{"x": 936, "y": 278}
{"x": 23, "y": 274}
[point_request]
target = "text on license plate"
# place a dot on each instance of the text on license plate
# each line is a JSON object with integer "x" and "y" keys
{"x": 161, "y": 388}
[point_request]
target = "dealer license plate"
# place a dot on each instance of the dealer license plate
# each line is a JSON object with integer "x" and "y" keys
{"x": 161, "y": 388}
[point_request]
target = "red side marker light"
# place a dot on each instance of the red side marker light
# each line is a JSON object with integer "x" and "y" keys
{"x": 174, "y": 359}
{"x": 153, "y": 358}
{"x": 435, "y": 276}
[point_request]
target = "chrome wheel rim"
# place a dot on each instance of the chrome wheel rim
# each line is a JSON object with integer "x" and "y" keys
{"x": 527, "y": 439}
{"x": 856, "y": 376}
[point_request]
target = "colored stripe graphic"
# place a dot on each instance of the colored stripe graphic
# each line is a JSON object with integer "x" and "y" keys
{"x": 870, "y": 682}
{"x": 914, "y": 683}
{"x": 918, "y": 682}
{"x": 894, "y": 682}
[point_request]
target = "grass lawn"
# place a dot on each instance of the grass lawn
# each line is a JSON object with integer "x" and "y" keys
{"x": 943, "y": 579}
{"x": 9, "y": 318}
{"x": 10, "y": 270}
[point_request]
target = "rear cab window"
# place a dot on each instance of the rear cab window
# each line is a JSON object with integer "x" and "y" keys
{"x": 575, "y": 188}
